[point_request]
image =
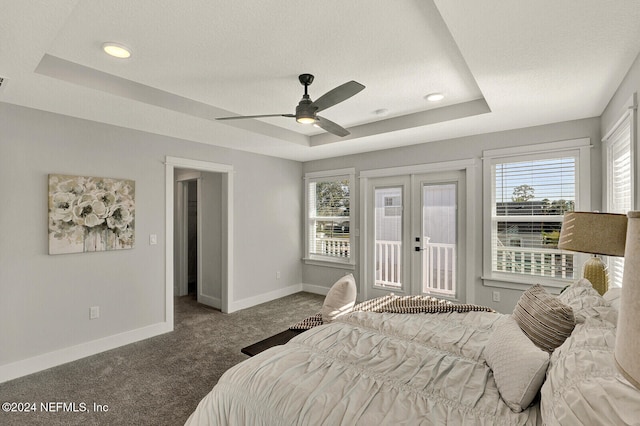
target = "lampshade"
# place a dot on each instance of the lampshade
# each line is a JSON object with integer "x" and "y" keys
{"x": 596, "y": 233}
{"x": 628, "y": 331}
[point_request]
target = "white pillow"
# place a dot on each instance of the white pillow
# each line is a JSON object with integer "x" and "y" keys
{"x": 613, "y": 297}
{"x": 340, "y": 299}
{"x": 583, "y": 299}
{"x": 519, "y": 367}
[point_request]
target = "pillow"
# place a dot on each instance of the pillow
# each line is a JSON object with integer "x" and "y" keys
{"x": 519, "y": 367}
{"x": 582, "y": 298}
{"x": 544, "y": 318}
{"x": 612, "y": 296}
{"x": 340, "y": 298}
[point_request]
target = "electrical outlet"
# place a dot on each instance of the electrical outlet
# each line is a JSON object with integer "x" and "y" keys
{"x": 153, "y": 239}
{"x": 278, "y": 275}
{"x": 94, "y": 312}
{"x": 496, "y": 296}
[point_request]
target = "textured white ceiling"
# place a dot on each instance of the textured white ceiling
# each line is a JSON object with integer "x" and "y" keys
{"x": 502, "y": 65}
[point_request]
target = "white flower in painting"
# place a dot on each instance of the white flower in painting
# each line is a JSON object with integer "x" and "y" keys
{"x": 61, "y": 206}
{"x": 99, "y": 209}
{"x": 120, "y": 217}
{"x": 92, "y": 220}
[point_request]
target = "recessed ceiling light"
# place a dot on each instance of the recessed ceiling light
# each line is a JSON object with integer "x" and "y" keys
{"x": 434, "y": 97}
{"x": 116, "y": 50}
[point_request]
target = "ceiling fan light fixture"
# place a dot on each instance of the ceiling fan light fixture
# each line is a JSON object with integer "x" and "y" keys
{"x": 434, "y": 97}
{"x": 116, "y": 50}
{"x": 306, "y": 120}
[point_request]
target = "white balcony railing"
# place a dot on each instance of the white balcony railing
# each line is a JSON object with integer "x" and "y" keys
{"x": 438, "y": 263}
{"x": 389, "y": 263}
{"x": 534, "y": 261}
{"x": 439, "y": 268}
{"x": 334, "y": 247}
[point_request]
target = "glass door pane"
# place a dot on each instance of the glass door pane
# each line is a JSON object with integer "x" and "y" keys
{"x": 388, "y": 223}
{"x": 439, "y": 238}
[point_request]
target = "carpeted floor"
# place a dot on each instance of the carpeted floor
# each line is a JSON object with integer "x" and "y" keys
{"x": 158, "y": 381}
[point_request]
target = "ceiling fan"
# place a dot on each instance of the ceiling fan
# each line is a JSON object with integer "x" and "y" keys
{"x": 306, "y": 111}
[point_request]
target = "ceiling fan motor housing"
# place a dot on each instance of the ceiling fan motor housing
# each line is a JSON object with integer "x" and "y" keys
{"x": 305, "y": 111}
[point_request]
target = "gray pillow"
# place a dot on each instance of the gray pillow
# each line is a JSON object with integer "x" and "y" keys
{"x": 544, "y": 318}
{"x": 519, "y": 367}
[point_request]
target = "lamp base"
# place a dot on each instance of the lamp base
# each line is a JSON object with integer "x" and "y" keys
{"x": 595, "y": 271}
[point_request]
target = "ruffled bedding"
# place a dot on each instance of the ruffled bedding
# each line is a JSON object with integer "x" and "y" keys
{"x": 583, "y": 386}
{"x": 369, "y": 368}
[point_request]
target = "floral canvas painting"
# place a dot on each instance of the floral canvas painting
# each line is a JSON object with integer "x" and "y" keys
{"x": 90, "y": 214}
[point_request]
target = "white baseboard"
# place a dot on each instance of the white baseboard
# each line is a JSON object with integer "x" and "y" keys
{"x": 62, "y": 356}
{"x": 315, "y": 289}
{"x": 263, "y": 298}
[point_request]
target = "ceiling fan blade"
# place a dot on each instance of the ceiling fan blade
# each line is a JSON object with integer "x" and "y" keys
{"x": 238, "y": 117}
{"x": 337, "y": 95}
{"x": 331, "y": 127}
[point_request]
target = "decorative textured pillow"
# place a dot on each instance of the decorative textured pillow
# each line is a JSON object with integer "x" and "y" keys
{"x": 519, "y": 367}
{"x": 340, "y": 298}
{"x": 544, "y": 318}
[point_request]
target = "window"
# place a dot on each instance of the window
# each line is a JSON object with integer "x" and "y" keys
{"x": 329, "y": 214}
{"x": 618, "y": 183}
{"x": 392, "y": 205}
{"x": 529, "y": 190}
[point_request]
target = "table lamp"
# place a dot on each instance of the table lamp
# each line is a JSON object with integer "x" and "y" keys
{"x": 597, "y": 234}
{"x": 628, "y": 330}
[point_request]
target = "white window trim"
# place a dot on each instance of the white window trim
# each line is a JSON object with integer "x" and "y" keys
{"x": 581, "y": 148}
{"x": 630, "y": 113}
{"x": 608, "y": 170}
{"x": 629, "y": 110}
{"x": 346, "y": 264}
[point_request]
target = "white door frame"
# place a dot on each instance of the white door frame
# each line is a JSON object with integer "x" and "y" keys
{"x": 470, "y": 167}
{"x": 226, "y": 170}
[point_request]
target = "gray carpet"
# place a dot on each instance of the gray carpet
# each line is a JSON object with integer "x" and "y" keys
{"x": 158, "y": 381}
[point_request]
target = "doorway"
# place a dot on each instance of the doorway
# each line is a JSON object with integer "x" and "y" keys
{"x": 413, "y": 243}
{"x": 217, "y": 205}
{"x": 198, "y": 233}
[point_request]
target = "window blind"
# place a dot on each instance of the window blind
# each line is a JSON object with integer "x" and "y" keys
{"x": 619, "y": 185}
{"x": 530, "y": 198}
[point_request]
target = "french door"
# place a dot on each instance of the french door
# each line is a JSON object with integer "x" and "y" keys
{"x": 414, "y": 235}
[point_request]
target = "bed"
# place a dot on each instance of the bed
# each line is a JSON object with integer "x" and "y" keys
{"x": 433, "y": 369}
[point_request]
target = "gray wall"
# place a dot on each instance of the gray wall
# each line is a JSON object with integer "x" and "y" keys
{"x": 45, "y": 300}
{"x": 459, "y": 149}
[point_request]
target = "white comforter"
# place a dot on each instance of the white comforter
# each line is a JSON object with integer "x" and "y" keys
{"x": 369, "y": 369}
